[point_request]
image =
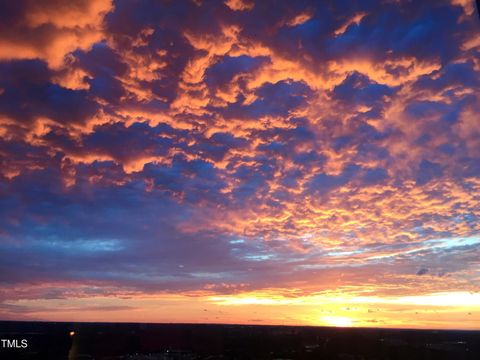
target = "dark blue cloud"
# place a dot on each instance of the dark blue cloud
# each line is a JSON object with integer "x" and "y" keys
{"x": 323, "y": 183}
{"x": 273, "y": 99}
{"x": 29, "y": 93}
{"x": 218, "y": 145}
{"x": 278, "y": 99}
{"x": 428, "y": 171}
{"x": 359, "y": 89}
{"x": 374, "y": 176}
{"x": 427, "y": 31}
{"x": 456, "y": 74}
{"x": 222, "y": 72}
{"x": 127, "y": 143}
{"x": 422, "y": 271}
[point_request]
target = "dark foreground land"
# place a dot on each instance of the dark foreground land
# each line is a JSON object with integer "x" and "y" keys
{"x": 179, "y": 341}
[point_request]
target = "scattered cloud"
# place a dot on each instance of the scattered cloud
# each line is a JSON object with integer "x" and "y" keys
{"x": 224, "y": 147}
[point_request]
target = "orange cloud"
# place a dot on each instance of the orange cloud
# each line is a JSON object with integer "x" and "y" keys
{"x": 49, "y": 31}
{"x": 240, "y": 5}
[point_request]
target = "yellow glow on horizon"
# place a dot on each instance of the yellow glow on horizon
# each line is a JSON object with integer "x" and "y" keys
{"x": 345, "y": 307}
{"x": 448, "y": 299}
{"x": 337, "y": 321}
{"x": 440, "y": 299}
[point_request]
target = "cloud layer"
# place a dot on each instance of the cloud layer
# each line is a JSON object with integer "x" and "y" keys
{"x": 210, "y": 148}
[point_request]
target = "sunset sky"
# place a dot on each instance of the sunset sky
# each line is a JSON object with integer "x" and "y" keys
{"x": 252, "y": 162}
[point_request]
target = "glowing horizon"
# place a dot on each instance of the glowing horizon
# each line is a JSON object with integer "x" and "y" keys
{"x": 431, "y": 311}
{"x": 241, "y": 162}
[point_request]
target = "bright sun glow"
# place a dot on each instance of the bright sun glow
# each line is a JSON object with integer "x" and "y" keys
{"x": 338, "y": 321}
